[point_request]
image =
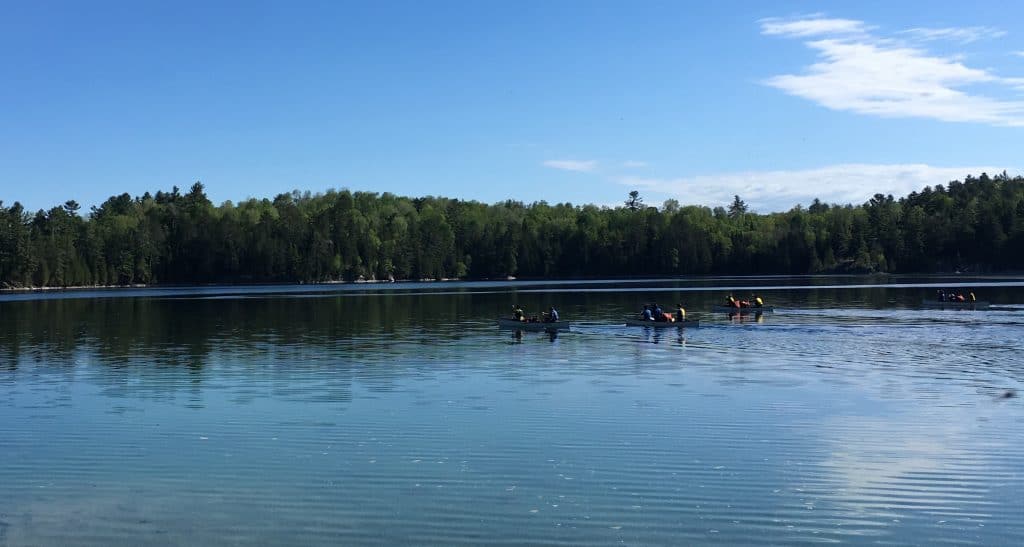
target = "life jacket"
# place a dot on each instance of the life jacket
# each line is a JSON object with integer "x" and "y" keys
{"x": 759, "y": 302}
{"x": 680, "y": 314}
{"x": 973, "y": 299}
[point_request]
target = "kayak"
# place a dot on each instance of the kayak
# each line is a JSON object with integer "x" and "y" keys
{"x": 507, "y": 323}
{"x": 730, "y": 309}
{"x": 955, "y": 305}
{"x": 691, "y": 323}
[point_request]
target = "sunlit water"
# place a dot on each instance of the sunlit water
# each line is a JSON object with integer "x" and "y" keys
{"x": 372, "y": 414}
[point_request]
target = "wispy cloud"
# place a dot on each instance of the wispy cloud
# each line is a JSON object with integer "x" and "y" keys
{"x": 1019, "y": 53}
{"x": 633, "y": 164}
{"x": 811, "y": 25}
{"x": 781, "y": 190}
{"x": 863, "y": 73}
{"x": 963, "y": 35}
{"x": 583, "y": 166}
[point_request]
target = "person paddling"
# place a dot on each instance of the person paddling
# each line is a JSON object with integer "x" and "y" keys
{"x": 551, "y": 316}
{"x": 517, "y": 313}
{"x": 680, "y": 313}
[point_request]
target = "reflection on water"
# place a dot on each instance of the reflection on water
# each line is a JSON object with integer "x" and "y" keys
{"x": 278, "y": 416}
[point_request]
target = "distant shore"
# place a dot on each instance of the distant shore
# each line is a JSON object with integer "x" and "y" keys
{"x": 10, "y": 289}
{"x": 27, "y": 289}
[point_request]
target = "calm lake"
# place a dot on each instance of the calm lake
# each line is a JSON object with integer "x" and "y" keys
{"x": 367, "y": 414}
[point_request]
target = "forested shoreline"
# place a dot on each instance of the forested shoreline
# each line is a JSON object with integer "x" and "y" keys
{"x": 173, "y": 237}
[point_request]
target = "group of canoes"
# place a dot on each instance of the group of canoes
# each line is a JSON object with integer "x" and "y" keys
{"x": 653, "y": 315}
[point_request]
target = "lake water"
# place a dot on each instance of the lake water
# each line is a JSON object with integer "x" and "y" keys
{"x": 342, "y": 415}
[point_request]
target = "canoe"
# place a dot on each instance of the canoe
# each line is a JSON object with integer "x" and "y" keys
{"x": 507, "y": 323}
{"x": 689, "y": 323}
{"x": 730, "y": 309}
{"x": 955, "y": 305}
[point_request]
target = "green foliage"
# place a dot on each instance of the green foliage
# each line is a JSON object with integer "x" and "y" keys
{"x": 737, "y": 208}
{"x": 634, "y": 201}
{"x": 171, "y": 237}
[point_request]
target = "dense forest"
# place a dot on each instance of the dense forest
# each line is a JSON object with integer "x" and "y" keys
{"x": 170, "y": 237}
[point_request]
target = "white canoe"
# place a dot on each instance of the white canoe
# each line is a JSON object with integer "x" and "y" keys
{"x": 689, "y": 323}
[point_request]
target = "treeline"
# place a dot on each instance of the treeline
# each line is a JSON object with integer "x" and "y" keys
{"x": 171, "y": 237}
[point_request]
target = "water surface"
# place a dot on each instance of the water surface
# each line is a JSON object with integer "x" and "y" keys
{"x": 401, "y": 414}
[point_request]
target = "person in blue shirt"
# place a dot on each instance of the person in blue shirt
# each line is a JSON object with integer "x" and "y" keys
{"x": 646, "y": 314}
{"x": 551, "y": 316}
{"x": 659, "y": 314}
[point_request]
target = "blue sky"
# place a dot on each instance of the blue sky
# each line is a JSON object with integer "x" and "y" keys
{"x": 557, "y": 101}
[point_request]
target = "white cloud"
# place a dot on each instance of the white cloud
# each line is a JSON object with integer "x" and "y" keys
{"x": 811, "y": 26}
{"x": 583, "y": 166}
{"x": 632, "y": 164}
{"x": 780, "y": 190}
{"x": 883, "y": 77}
{"x": 1019, "y": 53}
{"x": 964, "y": 35}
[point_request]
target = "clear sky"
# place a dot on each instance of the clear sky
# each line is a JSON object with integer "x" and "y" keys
{"x": 778, "y": 102}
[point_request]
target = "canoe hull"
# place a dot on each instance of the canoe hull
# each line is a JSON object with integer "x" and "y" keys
{"x": 537, "y": 326}
{"x": 729, "y": 309}
{"x": 689, "y": 323}
{"x": 955, "y": 305}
